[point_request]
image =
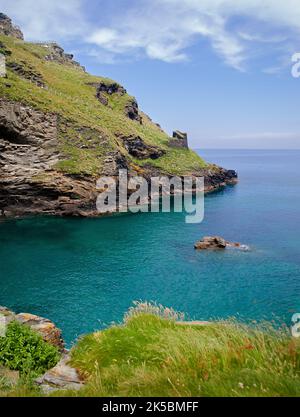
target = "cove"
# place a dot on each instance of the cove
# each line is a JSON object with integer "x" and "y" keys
{"x": 83, "y": 274}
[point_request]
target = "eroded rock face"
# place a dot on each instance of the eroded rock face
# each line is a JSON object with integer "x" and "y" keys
{"x": 136, "y": 147}
{"x": 132, "y": 111}
{"x": 217, "y": 178}
{"x": 7, "y": 28}
{"x": 28, "y": 153}
{"x": 113, "y": 163}
{"x": 28, "y": 139}
{"x": 57, "y": 54}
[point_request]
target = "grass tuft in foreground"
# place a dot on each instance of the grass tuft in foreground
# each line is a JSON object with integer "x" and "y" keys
{"x": 153, "y": 356}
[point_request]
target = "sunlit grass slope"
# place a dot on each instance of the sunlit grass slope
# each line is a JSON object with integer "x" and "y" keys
{"x": 70, "y": 92}
{"x": 153, "y": 356}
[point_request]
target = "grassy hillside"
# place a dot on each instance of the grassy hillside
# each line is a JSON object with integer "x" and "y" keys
{"x": 71, "y": 93}
{"x": 150, "y": 354}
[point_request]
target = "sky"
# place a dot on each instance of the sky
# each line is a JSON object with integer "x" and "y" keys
{"x": 220, "y": 70}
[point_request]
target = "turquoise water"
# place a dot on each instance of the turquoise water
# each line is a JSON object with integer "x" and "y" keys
{"x": 84, "y": 273}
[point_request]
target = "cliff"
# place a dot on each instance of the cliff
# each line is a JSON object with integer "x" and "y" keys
{"x": 61, "y": 128}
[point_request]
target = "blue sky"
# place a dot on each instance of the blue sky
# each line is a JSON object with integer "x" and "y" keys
{"x": 218, "y": 69}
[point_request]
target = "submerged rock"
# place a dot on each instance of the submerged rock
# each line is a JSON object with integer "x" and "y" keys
{"x": 217, "y": 242}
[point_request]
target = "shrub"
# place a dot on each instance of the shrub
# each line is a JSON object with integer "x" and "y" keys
{"x": 24, "y": 350}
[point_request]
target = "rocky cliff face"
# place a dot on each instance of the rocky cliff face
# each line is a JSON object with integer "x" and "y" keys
{"x": 61, "y": 128}
{"x": 7, "y": 28}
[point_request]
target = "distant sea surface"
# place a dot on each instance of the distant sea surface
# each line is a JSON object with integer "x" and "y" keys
{"x": 84, "y": 273}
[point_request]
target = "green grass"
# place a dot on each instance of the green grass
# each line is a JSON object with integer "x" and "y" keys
{"x": 70, "y": 95}
{"x": 150, "y": 354}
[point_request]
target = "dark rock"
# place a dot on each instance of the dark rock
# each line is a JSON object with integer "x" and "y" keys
{"x": 57, "y": 54}
{"x": 216, "y": 177}
{"x": 106, "y": 88}
{"x": 136, "y": 147}
{"x": 111, "y": 88}
{"x": 7, "y": 28}
{"x": 27, "y": 73}
{"x": 132, "y": 111}
{"x": 179, "y": 140}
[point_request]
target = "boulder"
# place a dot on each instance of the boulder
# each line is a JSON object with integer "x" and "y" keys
{"x": 211, "y": 242}
{"x": 61, "y": 377}
{"x": 217, "y": 242}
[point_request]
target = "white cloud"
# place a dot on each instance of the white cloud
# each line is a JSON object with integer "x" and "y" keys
{"x": 47, "y": 19}
{"x": 165, "y": 29}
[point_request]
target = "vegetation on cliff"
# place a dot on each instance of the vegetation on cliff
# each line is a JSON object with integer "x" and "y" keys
{"x": 151, "y": 354}
{"x": 60, "y": 87}
{"x": 24, "y": 350}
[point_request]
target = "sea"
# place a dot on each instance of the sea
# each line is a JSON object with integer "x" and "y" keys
{"x": 84, "y": 274}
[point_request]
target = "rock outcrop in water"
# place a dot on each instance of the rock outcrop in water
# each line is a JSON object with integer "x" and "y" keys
{"x": 217, "y": 242}
{"x": 61, "y": 128}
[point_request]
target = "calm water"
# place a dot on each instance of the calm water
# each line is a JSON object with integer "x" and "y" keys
{"x": 84, "y": 273}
